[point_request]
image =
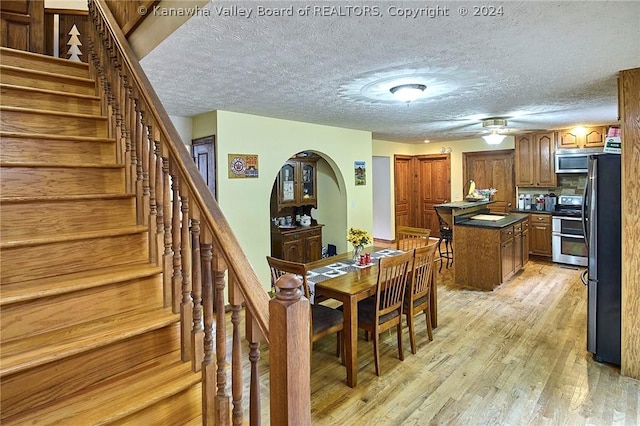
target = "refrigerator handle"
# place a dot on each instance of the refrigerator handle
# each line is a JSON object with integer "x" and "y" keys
{"x": 583, "y": 277}
{"x": 585, "y": 228}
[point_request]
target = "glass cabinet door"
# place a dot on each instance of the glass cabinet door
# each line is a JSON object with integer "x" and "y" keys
{"x": 308, "y": 182}
{"x": 287, "y": 184}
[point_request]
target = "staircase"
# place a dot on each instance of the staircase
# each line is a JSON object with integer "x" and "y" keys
{"x": 85, "y": 334}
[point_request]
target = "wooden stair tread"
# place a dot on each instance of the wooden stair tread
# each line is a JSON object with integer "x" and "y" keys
{"x": 49, "y": 91}
{"x": 105, "y": 233}
{"x": 38, "y": 73}
{"x": 51, "y": 286}
{"x": 118, "y": 397}
{"x": 60, "y": 165}
{"x": 26, "y": 135}
{"x": 114, "y": 196}
{"x": 196, "y": 421}
{"x": 47, "y": 347}
{"x": 49, "y": 112}
{"x": 39, "y": 56}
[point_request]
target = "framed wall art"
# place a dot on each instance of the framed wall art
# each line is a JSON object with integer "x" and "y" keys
{"x": 243, "y": 166}
{"x": 360, "y": 172}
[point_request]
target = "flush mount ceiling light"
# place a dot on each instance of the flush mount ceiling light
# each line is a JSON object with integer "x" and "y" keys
{"x": 494, "y": 125}
{"x": 408, "y": 92}
{"x": 376, "y": 87}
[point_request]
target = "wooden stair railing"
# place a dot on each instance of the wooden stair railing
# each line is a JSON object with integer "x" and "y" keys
{"x": 196, "y": 247}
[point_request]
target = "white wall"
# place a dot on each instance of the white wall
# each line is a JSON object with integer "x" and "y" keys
{"x": 382, "y": 198}
{"x": 245, "y": 202}
{"x": 66, "y": 4}
{"x": 184, "y": 126}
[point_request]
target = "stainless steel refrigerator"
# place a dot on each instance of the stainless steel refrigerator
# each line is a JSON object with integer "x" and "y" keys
{"x": 601, "y": 217}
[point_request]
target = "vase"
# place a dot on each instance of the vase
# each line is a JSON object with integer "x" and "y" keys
{"x": 357, "y": 250}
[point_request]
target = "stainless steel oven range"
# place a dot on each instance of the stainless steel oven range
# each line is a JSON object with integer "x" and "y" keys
{"x": 567, "y": 237}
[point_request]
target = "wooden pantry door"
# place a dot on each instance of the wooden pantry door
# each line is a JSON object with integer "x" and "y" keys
{"x": 421, "y": 182}
{"x": 491, "y": 169}
{"x": 403, "y": 190}
{"x": 434, "y": 173}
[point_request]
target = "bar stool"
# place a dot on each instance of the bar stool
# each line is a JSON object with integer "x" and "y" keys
{"x": 446, "y": 235}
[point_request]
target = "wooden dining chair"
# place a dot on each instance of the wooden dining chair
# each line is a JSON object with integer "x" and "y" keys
{"x": 379, "y": 313}
{"x": 408, "y": 238}
{"x": 324, "y": 320}
{"x": 417, "y": 296}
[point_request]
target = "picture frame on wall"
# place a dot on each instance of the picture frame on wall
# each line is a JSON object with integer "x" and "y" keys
{"x": 360, "y": 169}
{"x": 243, "y": 166}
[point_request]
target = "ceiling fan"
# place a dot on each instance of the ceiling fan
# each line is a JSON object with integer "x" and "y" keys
{"x": 519, "y": 122}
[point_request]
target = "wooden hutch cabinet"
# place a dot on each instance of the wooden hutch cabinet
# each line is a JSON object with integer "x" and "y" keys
{"x": 295, "y": 193}
{"x": 593, "y": 137}
{"x": 296, "y": 183}
{"x": 535, "y": 163}
{"x": 302, "y": 244}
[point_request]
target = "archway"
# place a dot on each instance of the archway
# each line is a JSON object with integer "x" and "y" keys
{"x": 327, "y": 208}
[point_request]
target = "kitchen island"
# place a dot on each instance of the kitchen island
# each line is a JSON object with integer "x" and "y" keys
{"x": 448, "y": 211}
{"x": 490, "y": 248}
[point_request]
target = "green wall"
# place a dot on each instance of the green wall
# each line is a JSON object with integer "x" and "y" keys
{"x": 245, "y": 202}
{"x": 341, "y": 204}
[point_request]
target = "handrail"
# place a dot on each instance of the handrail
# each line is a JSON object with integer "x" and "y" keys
{"x": 255, "y": 297}
{"x": 192, "y": 241}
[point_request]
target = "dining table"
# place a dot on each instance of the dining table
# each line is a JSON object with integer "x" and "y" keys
{"x": 340, "y": 278}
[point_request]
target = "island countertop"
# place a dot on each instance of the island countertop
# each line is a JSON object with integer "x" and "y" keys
{"x": 462, "y": 205}
{"x": 508, "y": 219}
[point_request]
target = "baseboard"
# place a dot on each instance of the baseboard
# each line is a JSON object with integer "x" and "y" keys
{"x": 380, "y": 240}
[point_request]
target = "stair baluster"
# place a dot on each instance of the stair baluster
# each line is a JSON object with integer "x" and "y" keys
{"x": 154, "y": 250}
{"x": 197, "y": 331}
{"x": 212, "y": 409}
{"x": 147, "y": 147}
{"x": 235, "y": 299}
{"x": 136, "y": 154}
{"x": 164, "y": 220}
{"x": 130, "y": 159}
{"x": 182, "y": 268}
{"x": 124, "y": 146}
{"x": 176, "y": 239}
{"x": 254, "y": 337}
{"x": 222, "y": 397}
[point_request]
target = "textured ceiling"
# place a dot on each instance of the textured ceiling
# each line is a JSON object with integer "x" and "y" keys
{"x": 542, "y": 65}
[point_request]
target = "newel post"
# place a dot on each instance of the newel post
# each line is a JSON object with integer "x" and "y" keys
{"x": 289, "y": 354}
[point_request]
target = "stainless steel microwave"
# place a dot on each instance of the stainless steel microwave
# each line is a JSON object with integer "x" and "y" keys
{"x": 574, "y": 160}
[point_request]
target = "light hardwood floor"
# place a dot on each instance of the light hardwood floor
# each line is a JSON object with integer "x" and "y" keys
{"x": 514, "y": 356}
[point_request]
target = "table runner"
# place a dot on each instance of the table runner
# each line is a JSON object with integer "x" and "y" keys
{"x": 340, "y": 268}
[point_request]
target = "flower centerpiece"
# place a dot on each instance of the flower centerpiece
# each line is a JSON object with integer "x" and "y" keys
{"x": 358, "y": 237}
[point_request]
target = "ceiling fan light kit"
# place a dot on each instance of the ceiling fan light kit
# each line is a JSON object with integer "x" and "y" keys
{"x": 494, "y": 138}
{"x": 494, "y": 124}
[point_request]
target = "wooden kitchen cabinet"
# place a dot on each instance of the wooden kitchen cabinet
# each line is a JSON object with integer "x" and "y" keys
{"x": 302, "y": 244}
{"x": 507, "y": 254}
{"x": 296, "y": 183}
{"x": 514, "y": 249}
{"x": 525, "y": 243}
{"x": 489, "y": 256}
{"x": 535, "y": 164}
{"x": 592, "y": 138}
{"x": 540, "y": 234}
